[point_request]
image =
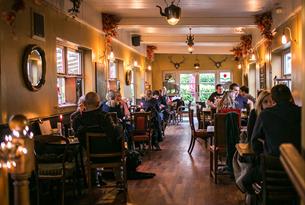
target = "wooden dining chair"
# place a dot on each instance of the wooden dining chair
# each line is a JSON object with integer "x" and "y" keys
{"x": 141, "y": 132}
{"x": 196, "y": 134}
{"x": 102, "y": 153}
{"x": 219, "y": 148}
{"x": 53, "y": 163}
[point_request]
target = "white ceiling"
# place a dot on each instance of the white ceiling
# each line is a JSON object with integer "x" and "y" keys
{"x": 216, "y": 24}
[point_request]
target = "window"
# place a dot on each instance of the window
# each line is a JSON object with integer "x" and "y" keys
{"x": 69, "y": 75}
{"x": 188, "y": 87}
{"x": 206, "y": 85}
{"x": 113, "y": 70}
{"x": 132, "y": 88}
{"x": 287, "y": 62}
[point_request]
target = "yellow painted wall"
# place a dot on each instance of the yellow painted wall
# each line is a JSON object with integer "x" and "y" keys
{"x": 14, "y": 96}
{"x": 162, "y": 64}
{"x": 274, "y": 69}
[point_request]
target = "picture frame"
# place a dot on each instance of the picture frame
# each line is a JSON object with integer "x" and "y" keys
{"x": 38, "y": 25}
{"x": 262, "y": 77}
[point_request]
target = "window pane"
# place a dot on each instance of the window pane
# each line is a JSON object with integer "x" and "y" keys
{"x": 74, "y": 65}
{"x": 206, "y": 85}
{"x": 187, "y": 87}
{"x": 61, "y": 91}
{"x": 112, "y": 70}
{"x": 287, "y": 64}
{"x": 59, "y": 60}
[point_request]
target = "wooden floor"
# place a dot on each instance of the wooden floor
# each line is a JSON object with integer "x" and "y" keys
{"x": 180, "y": 178}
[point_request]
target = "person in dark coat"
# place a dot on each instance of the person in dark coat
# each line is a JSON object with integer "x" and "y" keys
{"x": 151, "y": 104}
{"x": 279, "y": 124}
{"x": 93, "y": 119}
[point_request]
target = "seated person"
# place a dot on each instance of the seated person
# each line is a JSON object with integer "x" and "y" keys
{"x": 278, "y": 124}
{"x": 244, "y": 91}
{"x": 240, "y": 101}
{"x": 112, "y": 105}
{"x": 152, "y": 105}
{"x": 123, "y": 105}
{"x": 275, "y": 125}
{"x": 264, "y": 101}
{"x": 227, "y": 101}
{"x": 94, "y": 119}
{"x": 215, "y": 97}
{"x": 80, "y": 108}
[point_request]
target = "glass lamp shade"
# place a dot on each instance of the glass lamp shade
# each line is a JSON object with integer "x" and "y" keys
{"x": 284, "y": 39}
{"x": 196, "y": 65}
{"x": 239, "y": 66}
{"x": 190, "y": 49}
{"x": 173, "y": 14}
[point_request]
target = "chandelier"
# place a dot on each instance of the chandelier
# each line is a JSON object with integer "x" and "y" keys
{"x": 172, "y": 13}
{"x": 190, "y": 41}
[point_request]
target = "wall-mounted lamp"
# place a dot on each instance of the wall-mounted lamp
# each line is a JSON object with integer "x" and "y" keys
{"x": 190, "y": 41}
{"x": 239, "y": 66}
{"x": 284, "y": 37}
{"x": 149, "y": 67}
{"x": 111, "y": 56}
{"x": 135, "y": 63}
{"x": 172, "y": 13}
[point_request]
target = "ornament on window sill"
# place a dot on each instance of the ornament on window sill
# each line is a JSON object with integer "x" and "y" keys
{"x": 75, "y": 8}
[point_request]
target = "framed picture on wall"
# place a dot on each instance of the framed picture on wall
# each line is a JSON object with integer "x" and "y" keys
{"x": 38, "y": 25}
{"x": 170, "y": 82}
{"x": 262, "y": 77}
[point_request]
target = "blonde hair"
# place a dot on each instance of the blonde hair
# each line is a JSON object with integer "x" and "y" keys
{"x": 258, "y": 105}
{"x": 227, "y": 101}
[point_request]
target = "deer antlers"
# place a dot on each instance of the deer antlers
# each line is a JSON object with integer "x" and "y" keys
{"x": 218, "y": 63}
{"x": 176, "y": 64}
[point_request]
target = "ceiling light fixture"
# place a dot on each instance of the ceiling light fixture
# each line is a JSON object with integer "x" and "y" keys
{"x": 190, "y": 41}
{"x": 172, "y": 12}
{"x": 196, "y": 64}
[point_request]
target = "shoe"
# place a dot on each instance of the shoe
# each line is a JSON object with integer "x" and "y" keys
{"x": 156, "y": 147}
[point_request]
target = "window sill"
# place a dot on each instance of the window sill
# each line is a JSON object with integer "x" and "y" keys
{"x": 67, "y": 105}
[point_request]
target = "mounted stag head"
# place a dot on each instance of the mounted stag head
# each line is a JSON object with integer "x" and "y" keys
{"x": 176, "y": 64}
{"x": 218, "y": 63}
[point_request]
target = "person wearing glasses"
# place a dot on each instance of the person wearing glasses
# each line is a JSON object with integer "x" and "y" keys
{"x": 240, "y": 101}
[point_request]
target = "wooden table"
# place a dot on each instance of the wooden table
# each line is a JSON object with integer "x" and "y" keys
{"x": 244, "y": 149}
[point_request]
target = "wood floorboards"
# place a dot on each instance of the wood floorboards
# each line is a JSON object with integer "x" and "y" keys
{"x": 181, "y": 179}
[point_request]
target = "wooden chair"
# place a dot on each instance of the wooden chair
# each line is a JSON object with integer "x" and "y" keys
{"x": 195, "y": 134}
{"x": 102, "y": 153}
{"x": 277, "y": 187}
{"x": 142, "y": 130}
{"x": 53, "y": 163}
{"x": 199, "y": 117}
{"x": 218, "y": 149}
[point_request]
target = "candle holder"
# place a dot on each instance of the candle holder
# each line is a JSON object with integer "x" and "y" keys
{"x": 16, "y": 157}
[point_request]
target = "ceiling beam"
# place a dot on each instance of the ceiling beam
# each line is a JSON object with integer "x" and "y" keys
{"x": 204, "y": 39}
{"x": 197, "y": 50}
{"x": 189, "y": 21}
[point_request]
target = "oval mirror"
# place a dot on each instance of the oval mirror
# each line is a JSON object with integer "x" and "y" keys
{"x": 34, "y": 67}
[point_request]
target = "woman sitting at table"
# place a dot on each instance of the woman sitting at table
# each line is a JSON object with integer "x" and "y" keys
{"x": 112, "y": 105}
{"x": 227, "y": 101}
{"x": 263, "y": 101}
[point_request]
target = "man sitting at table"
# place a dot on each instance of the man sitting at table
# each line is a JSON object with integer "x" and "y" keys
{"x": 215, "y": 97}
{"x": 240, "y": 101}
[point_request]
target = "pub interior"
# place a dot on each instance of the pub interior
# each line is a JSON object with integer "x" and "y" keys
{"x": 152, "y": 102}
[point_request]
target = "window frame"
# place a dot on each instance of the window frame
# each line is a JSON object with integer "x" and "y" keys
{"x": 284, "y": 53}
{"x": 66, "y": 75}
